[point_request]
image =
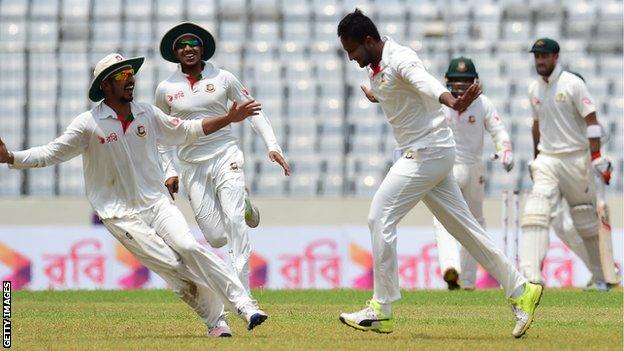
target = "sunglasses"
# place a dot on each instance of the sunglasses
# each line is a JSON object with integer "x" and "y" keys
{"x": 123, "y": 75}
{"x": 181, "y": 44}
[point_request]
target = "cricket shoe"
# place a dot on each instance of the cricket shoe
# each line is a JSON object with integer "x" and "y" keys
{"x": 370, "y": 318}
{"x": 252, "y": 314}
{"x": 451, "y": 277}
{"x": 524, "y": 308}
{"x": 221, "y": 329}
{"x": 252, "y": 215}
{"x": 597, "y": 285}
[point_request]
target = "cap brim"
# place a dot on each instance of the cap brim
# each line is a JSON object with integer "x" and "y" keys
{"x": 95, "y": 92}
{"x": 166, "y": 44}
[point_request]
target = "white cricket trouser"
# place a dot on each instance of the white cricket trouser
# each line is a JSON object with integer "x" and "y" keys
{"x": 161, "y": 239}
{"x": 426, "y": 174}
{"x": 470, "y": 179}
{"x": 216, "y": 190}
{"x": 570, "y": 176}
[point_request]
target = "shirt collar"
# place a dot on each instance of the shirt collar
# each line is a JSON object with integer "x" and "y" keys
{"x": 208, "y": 68}
{"x": 103, "y": 111}
{"x": 553, "y": 75}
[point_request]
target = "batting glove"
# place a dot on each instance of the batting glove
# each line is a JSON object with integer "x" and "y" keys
{"x": 602, "y": 166}
{"x": 506, "y": 159}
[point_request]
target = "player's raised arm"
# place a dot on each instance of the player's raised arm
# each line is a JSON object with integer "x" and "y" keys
{"x": 174, "y": 131}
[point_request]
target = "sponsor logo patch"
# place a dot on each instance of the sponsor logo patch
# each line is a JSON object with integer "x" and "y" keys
{"x": 112, "y": 137}
{"x": 472, "y": 119}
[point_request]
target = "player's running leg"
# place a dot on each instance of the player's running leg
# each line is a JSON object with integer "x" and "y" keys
{"x": 447, "y": 204}
{"x": 473, "y": 193}
{"x": 231, "y": 195}
{"x": 406, "y": 183}
{"x": 206, "y": 268}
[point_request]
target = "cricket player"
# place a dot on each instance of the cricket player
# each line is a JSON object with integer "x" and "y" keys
{"x": 468, "y": 128}
{"x": 566, "y": 137}
{"x": 211, "y": 167}
{"x": 411, "y": 99}
{"x": 123, "y": 178}
{"x": 563, "y": 226}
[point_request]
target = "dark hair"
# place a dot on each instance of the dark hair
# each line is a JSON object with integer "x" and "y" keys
{"x": 357, "y": 26}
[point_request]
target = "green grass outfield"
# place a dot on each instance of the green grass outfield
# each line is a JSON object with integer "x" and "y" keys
{"x": 308, "y": 320}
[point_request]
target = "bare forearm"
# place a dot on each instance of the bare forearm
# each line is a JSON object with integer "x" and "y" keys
{"x": 536, "y": 138}
{"x": 212, "y": 124}
{"x": 594, "y": 144}
{"x": 447, "y": 99}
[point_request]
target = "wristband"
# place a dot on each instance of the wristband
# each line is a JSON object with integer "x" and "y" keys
{"x": 595, "y": 155}
{"x": 594, "y": 131}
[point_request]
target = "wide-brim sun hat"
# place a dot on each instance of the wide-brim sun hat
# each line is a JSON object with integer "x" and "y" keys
{"x": 168, "y": 41}
{"x": 105, "y": 67}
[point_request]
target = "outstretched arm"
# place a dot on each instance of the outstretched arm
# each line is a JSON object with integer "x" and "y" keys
{"x": 67, "y": 146}
{"x": 461, "y": 103}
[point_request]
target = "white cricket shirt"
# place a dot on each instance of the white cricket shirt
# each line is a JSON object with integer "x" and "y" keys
{"x": 561, "y": 105}
{"x": 208, "y": 97}
{"x": 409, "y": 96}
{"x": 469, "y": 128}
{"x": 122, "y": 170}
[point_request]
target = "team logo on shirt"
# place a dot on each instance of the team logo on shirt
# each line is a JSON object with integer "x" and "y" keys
{"x": 210, "y": 88}
{"x": 560, "y": 97}
{"x": 587, "y": 101}
{"x": 472, "y": 119}
{"x": 410, "y": 154}
{"x": 536, "y": 100}
{"x": 141, "y": 131}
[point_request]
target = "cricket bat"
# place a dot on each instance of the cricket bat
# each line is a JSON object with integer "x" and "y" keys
{"x": 605, "y": 241}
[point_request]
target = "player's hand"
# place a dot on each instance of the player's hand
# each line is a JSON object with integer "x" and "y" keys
{"x": 462, "y": 103}
{"x": 602, "y": 166}
{"x": 506, "y": 159}
{"x": 277, "y": 157}
{"x": 5, "y": 155}
{"x": 172, "y": 185}
{"x": 369, "y": 93}
{"x": 238, "y": 112}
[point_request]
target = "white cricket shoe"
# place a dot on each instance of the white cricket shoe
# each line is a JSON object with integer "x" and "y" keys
{"x": 252, "y": 314}
{"x": 370, "y": 318}
{"x": 221, "y": 329}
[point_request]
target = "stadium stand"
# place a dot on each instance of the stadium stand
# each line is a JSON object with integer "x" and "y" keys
{"x": 290, "y": 57}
